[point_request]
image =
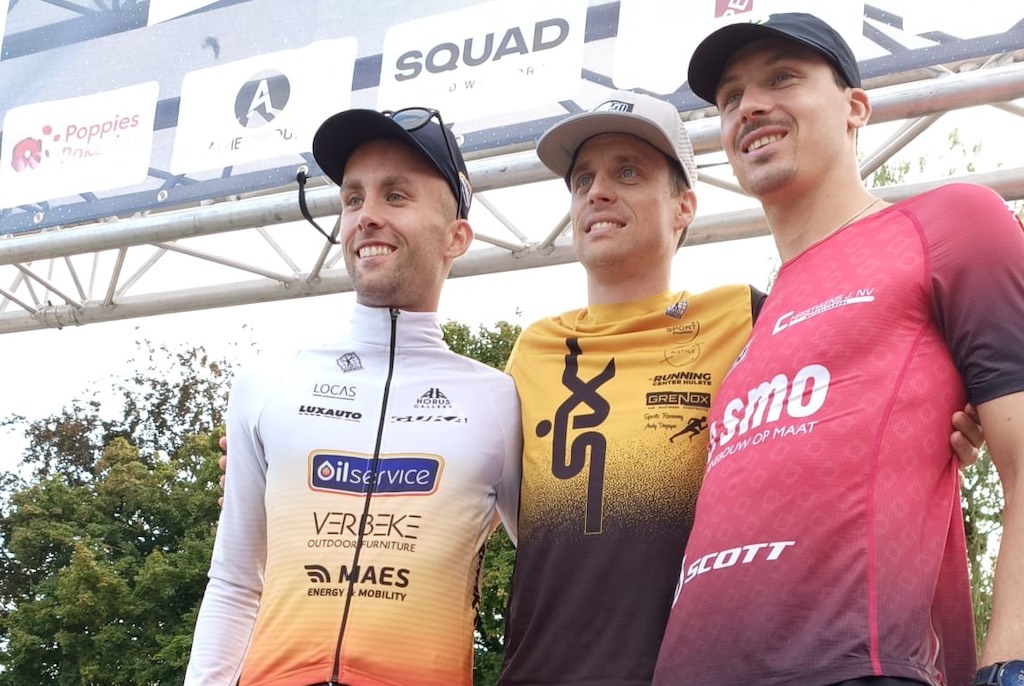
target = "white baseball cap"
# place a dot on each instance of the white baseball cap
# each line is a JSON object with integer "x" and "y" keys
{"x": 648, "y": 118}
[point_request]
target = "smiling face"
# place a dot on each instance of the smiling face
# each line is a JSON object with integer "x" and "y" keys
{"x": 786, "y": 123}
{"x": 627, "y": 213}
{"x": 399, "y": 232}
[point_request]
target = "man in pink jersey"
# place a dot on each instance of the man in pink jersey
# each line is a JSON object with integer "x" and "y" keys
{"x": 828, "y": 543}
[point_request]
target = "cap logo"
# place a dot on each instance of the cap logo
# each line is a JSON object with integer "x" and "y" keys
{"x": 467, "y": 190}
{"x": 614, "y": 106}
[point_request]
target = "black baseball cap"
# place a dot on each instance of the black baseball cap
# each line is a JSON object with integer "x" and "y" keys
{"x": 714, "y": 52}
{"x": 420, "y": 128}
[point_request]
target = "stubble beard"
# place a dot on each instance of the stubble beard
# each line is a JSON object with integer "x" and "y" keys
{"x": 381, "y": 289}
{"x": 768, "y": 179}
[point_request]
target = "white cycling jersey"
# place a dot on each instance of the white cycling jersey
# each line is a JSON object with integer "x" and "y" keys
{"x": 387, "y": 427}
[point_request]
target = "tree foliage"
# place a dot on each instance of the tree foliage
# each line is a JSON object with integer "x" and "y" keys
{"x": 981, "y": 496}
{"x": 104, "y": 547}
{"x": 491, "y": 346}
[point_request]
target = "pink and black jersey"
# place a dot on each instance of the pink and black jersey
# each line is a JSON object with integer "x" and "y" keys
{"x": 828, "y": 541}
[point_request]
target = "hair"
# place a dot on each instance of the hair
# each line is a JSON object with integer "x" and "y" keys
{"x": 837, "y": 77}
{"x": 678, "y": 185}
{"x": 450, "y": 205}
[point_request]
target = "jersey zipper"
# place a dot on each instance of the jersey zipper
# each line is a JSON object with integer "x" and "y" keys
{"x": 374, "y": 466}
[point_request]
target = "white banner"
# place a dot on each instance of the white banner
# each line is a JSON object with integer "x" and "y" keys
{"x": 954, "y": 17}
{"x": 65, "y": 147}
{"x": 162, "y": 10}
{"x": 487, "y": 59}
{"x": 657, "y": 39}
{"x": 262, "y": 107}
{"x": 3, "y": 25}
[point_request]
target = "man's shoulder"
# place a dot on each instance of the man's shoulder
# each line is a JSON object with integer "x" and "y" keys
{"x": 958, "y": 196}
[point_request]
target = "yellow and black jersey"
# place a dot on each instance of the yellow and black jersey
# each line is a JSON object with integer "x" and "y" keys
{"x": 615, "y": 402}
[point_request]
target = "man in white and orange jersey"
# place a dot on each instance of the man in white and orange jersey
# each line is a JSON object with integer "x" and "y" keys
{"x": 365, "y": 475}
{"x": 828, "y": 542}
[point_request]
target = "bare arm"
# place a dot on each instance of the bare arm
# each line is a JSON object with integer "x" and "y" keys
{"x": 1003, "y": 419}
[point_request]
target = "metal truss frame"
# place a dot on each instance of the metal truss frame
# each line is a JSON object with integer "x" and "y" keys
{"x": 70, "y": 276}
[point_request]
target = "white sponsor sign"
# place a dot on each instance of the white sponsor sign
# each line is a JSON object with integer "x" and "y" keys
{"x": 162, "y": 10}
{"x": 90, "y": 143}
{"x": 487, "y": 59}
{"x": 3, "y": 24}
{"x": 657, "y": 39}
{"x": 261, "y": 107}
{"x": 953, "y": 17}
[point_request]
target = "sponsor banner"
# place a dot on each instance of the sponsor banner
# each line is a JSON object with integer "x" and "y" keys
{"x": 162, "y": 10}
{"x": 951, "y": 17}
{"x": 656, "y": 40}
{"x": 77, "y": 145}
{"x": 488, "y": 59}
{"x": 262, "y": 107}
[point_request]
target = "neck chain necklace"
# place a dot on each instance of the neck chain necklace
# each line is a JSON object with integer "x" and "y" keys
{"x": 858, "y": 213}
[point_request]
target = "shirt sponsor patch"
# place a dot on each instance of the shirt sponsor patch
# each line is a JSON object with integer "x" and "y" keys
{"x": 395, "y": 475}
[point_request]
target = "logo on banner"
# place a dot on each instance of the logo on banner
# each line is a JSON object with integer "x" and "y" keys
{"x": 79, "y": 140}
{"x": 262, "y": 98}
{"x": 28, "y": 153}
{"x": 260, "y": 108}
{"x": 727, "y": 8}
{"x": 490, "y": 58}
{"x": 76, "y": 145}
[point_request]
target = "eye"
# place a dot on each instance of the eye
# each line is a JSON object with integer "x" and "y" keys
{"x": 781, "y": 78}
{"x": 728, "y": 98}
{"x": 628, "y": 172}
{"x": 583, "y": 181}
{"x": 395, "y": 196}
{"x": 352, "y": 201}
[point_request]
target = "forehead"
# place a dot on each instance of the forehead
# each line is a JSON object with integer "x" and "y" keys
{"x": 620, "y": 146}
{"x": 387, "y": 157}
{"x": 766, "y": 52}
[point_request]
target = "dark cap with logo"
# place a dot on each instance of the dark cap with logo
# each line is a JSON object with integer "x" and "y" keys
{"x": 714, "y": 52}
{"x": 341, "y": 134}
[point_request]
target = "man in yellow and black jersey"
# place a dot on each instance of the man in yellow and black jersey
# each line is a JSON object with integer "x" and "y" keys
{"x": 615, "y": 398}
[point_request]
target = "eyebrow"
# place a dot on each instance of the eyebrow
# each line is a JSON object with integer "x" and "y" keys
{"x": 634, "y": 158}
{"x": 389, "y": 180}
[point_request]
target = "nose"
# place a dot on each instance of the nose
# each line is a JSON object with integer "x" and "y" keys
{"x": 602, "y": 190}
{"x": 369, "y": 216}
{"x": 753, "y": 103}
